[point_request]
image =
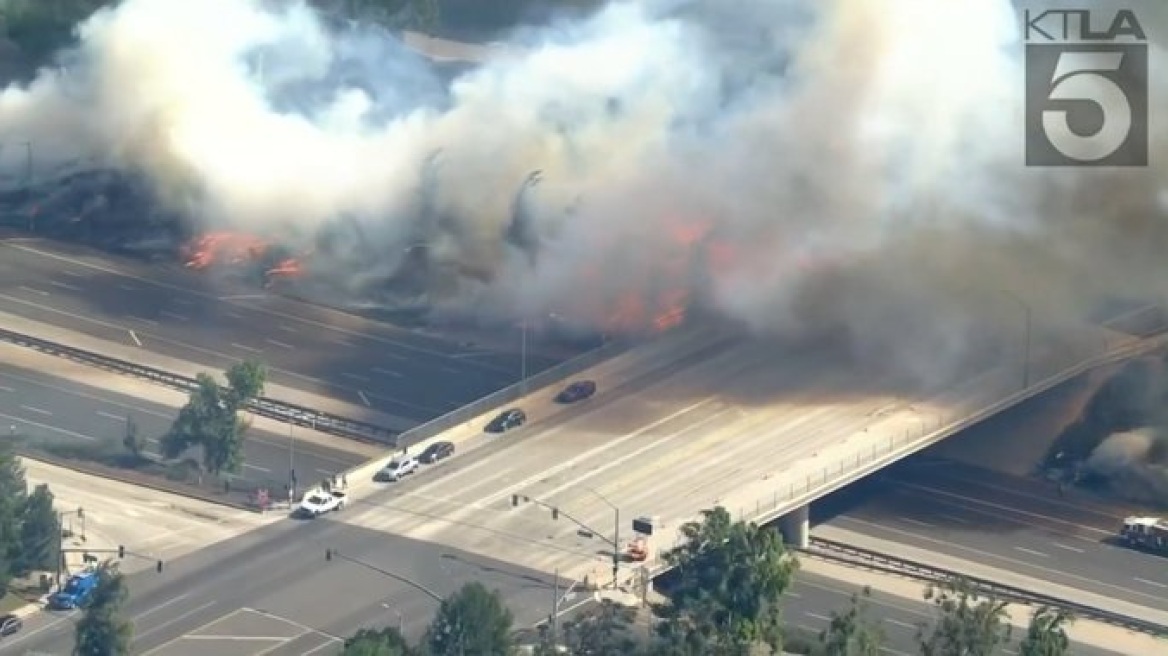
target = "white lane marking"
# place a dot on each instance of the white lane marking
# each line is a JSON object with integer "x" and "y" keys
{"x": 817, "y": 616}
{"x": 953, "y": 518}
{"x": 134, "y": 336}
{"x": 64, "y": 285}
{"x": 21, "y": 637}
{"x": 257, "y": 468}
{"x": 341, "y": 341}
{"x": 172, "y": 315}
{"x": 1067, "y": 547}
{"x": 904, "y": 625}
{"x": 128, "y": 288}
{"x": 138, "y": 635}
{"x": 146, "y": 321}
{"x": 916, "y": 522}
{"x": 38, "y": 411}
{"x": 233, "y": 315}
{"x": 793, "y": 595}
{"x": 4, "y": 388}
{"x": 394, "y": 356}
{"x": 282, "y": 345}
{"x": 168, "y": 602}
{"x": 204, "y": 636}
{"x": 182, "y": 301}
{"x": 31, "y": 290}
{"x": 450, "y": 370}
{"x": 288, "y": 329}
{"x": 73, "y": 274}
{"x": 327, "y": 644}
{"x": 243, "y": 347}
{"x": 302, "y": 627}
{"x": 1155, "y": 584}
{"x": 364, "y": 399}
{"x": 386, "y": 372}
{"x": 363, "y": 379}
{"x": 48, "y": 427}
{"x": 1031, "y": 552}
{"x": 1004, "y": 508}
{"x": 110, "y": 415}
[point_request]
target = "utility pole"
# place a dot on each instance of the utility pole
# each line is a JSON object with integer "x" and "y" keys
{"x": 554, "y": 620}
{"x": 523, "y": 357}
{"x": 60, "y": 547}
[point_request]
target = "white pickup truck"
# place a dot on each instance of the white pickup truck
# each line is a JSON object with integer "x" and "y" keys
{"x": 318, "y": 502}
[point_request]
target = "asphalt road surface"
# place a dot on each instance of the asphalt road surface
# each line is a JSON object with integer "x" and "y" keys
{"x": 813, "y": 598}
{"x": 691, "y": 421}
{"x": 271, "y": 591}
{"x": 51, "y": 408}
{"x": 1007, "y": 522}
{"x": 185, "y": 315}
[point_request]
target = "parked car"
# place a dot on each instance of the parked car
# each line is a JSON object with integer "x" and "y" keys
{"x": 436, "y": 451}
{"x": 397, "y": 469}
{"x": 10, "y": 624}
{"x": 577, "y": 391}
{"x": 508, "y": 419}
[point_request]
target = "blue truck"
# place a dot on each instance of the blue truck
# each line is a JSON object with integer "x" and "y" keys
{"x": 76, "y": 593}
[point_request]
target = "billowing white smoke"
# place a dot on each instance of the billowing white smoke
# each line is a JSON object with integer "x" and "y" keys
{"x": 844, "y": 164}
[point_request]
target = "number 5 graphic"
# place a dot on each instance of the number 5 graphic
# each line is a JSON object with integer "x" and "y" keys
{"x": 1077, "y": 79}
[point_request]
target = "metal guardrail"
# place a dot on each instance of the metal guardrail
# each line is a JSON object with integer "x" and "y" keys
{"x": 840, "y": 552}
{"x": 513, "y": 392}
{"x": 264, "y": 407}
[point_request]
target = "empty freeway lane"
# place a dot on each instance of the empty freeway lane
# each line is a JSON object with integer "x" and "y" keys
{"x": 47, "y": 407}
{"x": 194, "y": 318}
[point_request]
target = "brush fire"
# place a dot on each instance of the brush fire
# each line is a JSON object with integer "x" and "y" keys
{"x": 240, "y": 251}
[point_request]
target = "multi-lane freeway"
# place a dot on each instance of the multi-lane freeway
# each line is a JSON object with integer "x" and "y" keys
{"x": 204, "y": 320}
{"x": 1005, "y": 522}
{"x": 812, "y": 598}
{"x": 47, "y": 407}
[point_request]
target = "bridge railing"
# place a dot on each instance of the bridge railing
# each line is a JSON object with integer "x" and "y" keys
{"x": 982, "y": 397}
{"x": 994, "y": 392}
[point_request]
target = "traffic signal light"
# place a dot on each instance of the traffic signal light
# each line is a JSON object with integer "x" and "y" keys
{"x": 514, "y": 500}
{"x": 158, "y": 567}
{"x": 121, "y": 551}
{"x": 555, "y": 513}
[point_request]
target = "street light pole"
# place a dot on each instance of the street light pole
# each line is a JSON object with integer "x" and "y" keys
{"x": 400, "y": 621}
{"x": 615, "y": 536}
{"x": 329, "y": 554}
{"x": 1028, "y": 312}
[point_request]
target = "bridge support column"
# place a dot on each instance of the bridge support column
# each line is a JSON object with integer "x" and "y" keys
{"x": 796, "y": 528}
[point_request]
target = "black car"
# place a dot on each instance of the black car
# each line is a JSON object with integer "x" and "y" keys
{"x": 508, "y": 419}
{"x": 436, "y": 451}
{"x": 577, "y": 391}
{"x": 10, "y": 624}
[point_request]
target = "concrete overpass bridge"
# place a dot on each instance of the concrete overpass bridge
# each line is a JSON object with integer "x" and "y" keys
{"x": 694, "y": 420}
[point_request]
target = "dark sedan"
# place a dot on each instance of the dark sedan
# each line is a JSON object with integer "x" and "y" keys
{"x": 437, "y": 451}
{"x": 577, "y": 391}
{"x": 508, "y": 419}
{"x": 10, "y": 624}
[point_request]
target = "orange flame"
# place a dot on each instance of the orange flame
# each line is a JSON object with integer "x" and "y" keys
{"x": 225, "y": 248}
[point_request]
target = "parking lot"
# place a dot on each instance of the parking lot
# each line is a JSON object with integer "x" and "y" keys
{"x": 249, "y": 632}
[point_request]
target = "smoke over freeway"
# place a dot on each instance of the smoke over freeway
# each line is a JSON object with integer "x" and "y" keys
{"x": 799, "y": 166}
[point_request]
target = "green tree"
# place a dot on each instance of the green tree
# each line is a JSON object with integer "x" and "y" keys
{"x": 133, "y": 441}
{"x": 967, "y": 624}
{"x": 13, "y": 492}
{"x": 386, "y": 642}
{"x": 471, "y": 622}
{"x": 603, "y": 631}
{"x": 1047, "y": 633}
{"x": 851, "y": 632}
{"x": 731, "y": 578}
{"x": 211, "y": 418}
{"x": 102, "y": 631}
{"x": 39, "y": 532}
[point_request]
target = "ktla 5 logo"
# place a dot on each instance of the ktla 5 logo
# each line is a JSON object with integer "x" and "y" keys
{"x": 1086, "y": 89}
